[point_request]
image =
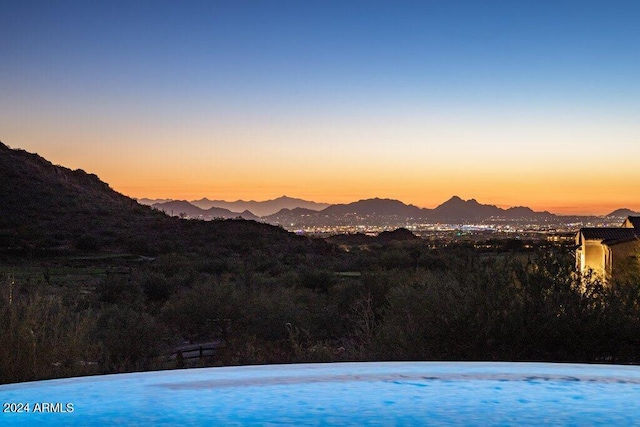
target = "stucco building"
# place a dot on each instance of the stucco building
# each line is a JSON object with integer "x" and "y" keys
{"x": 607, "y": 252}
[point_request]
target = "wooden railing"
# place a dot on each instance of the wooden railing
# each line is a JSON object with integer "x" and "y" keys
{"x": 184, "y": 354}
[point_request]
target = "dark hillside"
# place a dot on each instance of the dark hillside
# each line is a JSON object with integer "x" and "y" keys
{"x": 49, "y": 207}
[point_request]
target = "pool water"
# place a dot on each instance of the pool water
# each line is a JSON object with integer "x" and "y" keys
{"x": 384, "y": 394}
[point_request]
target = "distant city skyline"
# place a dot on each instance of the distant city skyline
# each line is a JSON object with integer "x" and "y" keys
{"x": 510, "y": 103}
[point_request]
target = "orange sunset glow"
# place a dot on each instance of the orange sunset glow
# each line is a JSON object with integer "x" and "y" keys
{"x": 415, "y": 112}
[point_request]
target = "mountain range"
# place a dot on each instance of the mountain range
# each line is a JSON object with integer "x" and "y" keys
{"x": 454, "y": 210}
{"x": 257, "y": 209}
{"x": 283, "y": 210}
{"x": 389, "y": 211}
{"x": 186, "y": 209}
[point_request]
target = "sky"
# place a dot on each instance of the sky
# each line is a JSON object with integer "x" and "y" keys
{"x": 533, "y": 103}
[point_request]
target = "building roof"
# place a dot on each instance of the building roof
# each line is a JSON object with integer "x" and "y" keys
{"x": 635, "y": 221}
{"x": 608, "y": 235}
{"x": 612, "y": 236}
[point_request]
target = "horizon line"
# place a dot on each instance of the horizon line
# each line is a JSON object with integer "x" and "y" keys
{"x": 169, "y": 199}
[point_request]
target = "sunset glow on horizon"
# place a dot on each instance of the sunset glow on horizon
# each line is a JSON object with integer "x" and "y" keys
{"x": 511, "y": 104}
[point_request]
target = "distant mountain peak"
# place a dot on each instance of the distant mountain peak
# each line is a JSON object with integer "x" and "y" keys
{"x": 623, "y": 212}
{"x": 457, "y": 209}
{"x": 379, "y": 200}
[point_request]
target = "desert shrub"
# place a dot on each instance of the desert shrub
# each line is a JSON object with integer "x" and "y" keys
{"x": 317, "y": 280}
{"x": 43, "y": 338}
{"x": 129, "y": 339}
{"x": 120, "y": 289}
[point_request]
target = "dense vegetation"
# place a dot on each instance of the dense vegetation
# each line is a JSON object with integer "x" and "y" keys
{"x": 415, "y": 300}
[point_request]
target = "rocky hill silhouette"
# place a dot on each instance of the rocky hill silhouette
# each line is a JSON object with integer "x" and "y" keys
{"x": 45, "y": 207}
{"x": 383, "y": 238}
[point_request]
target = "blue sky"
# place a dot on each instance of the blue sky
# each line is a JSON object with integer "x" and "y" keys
{"x": 505, "y": 101}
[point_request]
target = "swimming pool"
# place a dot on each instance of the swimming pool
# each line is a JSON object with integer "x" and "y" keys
{"x": 390, "y": 393}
